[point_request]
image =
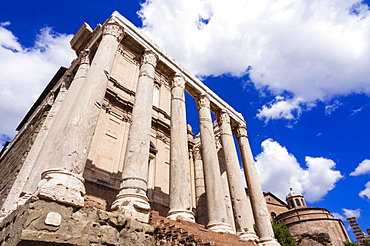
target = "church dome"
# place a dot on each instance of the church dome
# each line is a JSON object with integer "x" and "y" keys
{"x": 293, "y": 193}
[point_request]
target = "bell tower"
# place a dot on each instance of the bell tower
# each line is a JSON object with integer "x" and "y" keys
{"x": 295, "y": 199}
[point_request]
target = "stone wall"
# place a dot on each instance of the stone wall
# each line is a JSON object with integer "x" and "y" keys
{"x": 42, "y": 222}
{"x": 318, "y": 232}
{"x": 314, "y": 226}
{"x": 16, "y": 152}
{"x": 169, "y": 232}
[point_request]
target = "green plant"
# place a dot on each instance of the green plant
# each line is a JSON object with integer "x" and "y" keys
{"x": 349, "y": 244}
{"x": 282, "y": 234}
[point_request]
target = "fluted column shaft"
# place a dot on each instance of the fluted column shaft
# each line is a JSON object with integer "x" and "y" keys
{"x": 241, "y": 205}
{"x": 258, "y": 202}
{"x": 180, "y": 190}
{"x": 59, "y": 122}
{"x": 200, "y": 189}
{"x": 63, "y": 180}
{"x": 12, "y": 199}
{"x": 132, "y": 198}
{"x": 217, "y": 216}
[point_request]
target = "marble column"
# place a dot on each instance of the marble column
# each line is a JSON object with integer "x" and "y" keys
{"x": 13, "y": 199}
{"x": 48, "y": 146}
{"x": 200, "y": 189}
{"x": 180, "y": 190}
{"x": 63, "y": 180}
{"x": 241, "y": 205}
{"x": 258, "y": 202}
{"x": 217, "y": 216}
{"x": 132, "y": 198}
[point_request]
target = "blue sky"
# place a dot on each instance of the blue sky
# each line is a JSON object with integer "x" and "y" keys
{"x": 299, "y": 72}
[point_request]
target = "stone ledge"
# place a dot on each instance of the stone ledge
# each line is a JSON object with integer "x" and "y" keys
{"x": 78, "y": 226}
{"x": 170, "y": 232}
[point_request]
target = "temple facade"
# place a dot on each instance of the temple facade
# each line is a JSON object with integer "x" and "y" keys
{"x": 111, "y": 132}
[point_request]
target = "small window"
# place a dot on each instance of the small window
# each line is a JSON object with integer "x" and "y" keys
{"x": 273, "y": 215}
{"x": 298, "y": 202}
{"x": 303, "y": 204}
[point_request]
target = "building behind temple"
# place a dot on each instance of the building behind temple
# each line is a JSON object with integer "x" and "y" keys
{"x": 307, "y": 225}
{"x": 360, "y": 235}
{"x": 105, "y": 155}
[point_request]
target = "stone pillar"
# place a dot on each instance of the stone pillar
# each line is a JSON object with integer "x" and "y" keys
{"x": 12, "y": 200}
{"x": 217, "y": 216}
{"x": 48, "y": 146}
{"x": 63, "y": 180}
{"x": 132, "y": 198}
{"x": 200, "y": 189}
{"x": 225, "y": 187}
{"x": 180, "y": 190}
{"x": 258, "y": 202}
{"x": 241, "y": 205}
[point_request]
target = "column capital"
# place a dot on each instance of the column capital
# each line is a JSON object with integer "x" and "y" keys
{"x": 178, "y": 81}
{"x": 203, "y": 101}
{"x": 114, "y": 29}
{"x": 196, "y": 154}
{"x": 241, "y": 131}
{"x": 85, "y": 56}
{"x": 223, "y": 117}
{"x": 149, "y": 58}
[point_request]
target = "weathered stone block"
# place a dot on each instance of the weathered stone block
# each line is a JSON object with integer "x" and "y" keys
{"x": 109, "y": 235}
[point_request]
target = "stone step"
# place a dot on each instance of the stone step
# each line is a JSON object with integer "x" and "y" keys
{"x": 169, "y": 232}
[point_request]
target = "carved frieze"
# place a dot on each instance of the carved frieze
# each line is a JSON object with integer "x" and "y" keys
{"x": 67, "y": 80}
{"x": 50, "y": 98}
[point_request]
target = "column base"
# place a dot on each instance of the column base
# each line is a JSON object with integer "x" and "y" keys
{"x": 269, "y": 242}
{"x": 249, "y": 236}
{"x": 62, "y": 186}
{"x": 135, "y": 205}
{"x": 220, "y": 227}
{"x": 181, "y": 215}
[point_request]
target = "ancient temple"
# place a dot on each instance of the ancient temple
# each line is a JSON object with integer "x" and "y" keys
{"x": 108, "y": 138}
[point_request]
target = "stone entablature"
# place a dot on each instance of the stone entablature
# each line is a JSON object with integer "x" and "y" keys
{"x": 193, "y": 85}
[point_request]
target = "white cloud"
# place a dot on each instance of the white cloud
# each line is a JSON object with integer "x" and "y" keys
{"x": 281, "y": 108}
{"x": 329, "y": 109}
{"x": 313, "y": 49}
{"x": 352, "y": 213}
{"x": 339, "y": 216}
{"x": 25, "y": 72}
{"x": 279, "y": 170}
{"x": 362, "y": 168}
{"x": 366, "y": 192}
